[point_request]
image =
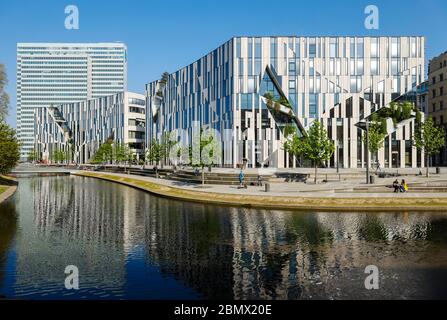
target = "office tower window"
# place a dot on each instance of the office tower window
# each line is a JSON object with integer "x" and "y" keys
{"x": 311, "y": 85}
{"x": 356, "y": 84}
{"x": 246, "y": 101}
{"x": 395, "y": 48}
{"x": 413, "y": 47}
{"x": 240, "y": 66}
{"x": 359, "y": 67}
{"x": 318, "y": 84}
{"x": 349, "y": 107}
{"x": 375, "y": 67}
{"x": 395, "y": 67}
{"x": 251, "y": 85}
{"x": 238, "y": 48}
{"x": 312, "y": 48}
{"x": 352, "y": 67}
{"x": 258, "y": 48}
{"x": 360, "y": 48}
{"x": 297, "y": 47}
{"x": 353, "y": 84}
{"x": 396, "y": 85}
{"x": 313, "y": 105}
{"x": 375, "y": 48}
{"x": 405, "y": 64}
{"x": 413, "y": 77}
{"x": 333, "y": 47}
{"x": 352, "y": 48}
{"x": 292, "y": 67}
{"x": 311, "y": 67}
{"x": 338, "y": 67}
{"x": 258, "y": 68}
{"x": 250, "y": 48}
{"x": 381, "y": 87}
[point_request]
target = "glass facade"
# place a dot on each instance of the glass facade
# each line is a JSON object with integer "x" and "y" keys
{"x": 52, "y": 74}
{"x": 338, "y": 81}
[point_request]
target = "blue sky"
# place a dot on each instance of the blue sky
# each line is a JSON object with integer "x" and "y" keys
{"x": 166, "y": 35}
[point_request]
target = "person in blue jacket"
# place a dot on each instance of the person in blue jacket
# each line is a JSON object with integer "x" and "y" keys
{"x": 241, "y": 179}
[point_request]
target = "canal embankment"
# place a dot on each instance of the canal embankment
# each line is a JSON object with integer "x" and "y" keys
{"x": 340, "y": 196}
{"x": 8, "y": 187}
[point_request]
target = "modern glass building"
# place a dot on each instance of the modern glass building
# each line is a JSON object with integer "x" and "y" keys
{"x": 80, "y": 128}
{"x": 56, "y": 73}
{"x": 339, "y": 81}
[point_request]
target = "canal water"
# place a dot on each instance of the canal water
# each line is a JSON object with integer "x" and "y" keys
{"x": 128, "y": 244}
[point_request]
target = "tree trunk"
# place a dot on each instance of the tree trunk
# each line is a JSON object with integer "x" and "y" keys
{"x": 315, "y": 178}
{"x": 428, "y": 165}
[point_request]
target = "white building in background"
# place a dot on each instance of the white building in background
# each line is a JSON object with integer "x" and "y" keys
{"x": 81, "y": 127}
{"x": 57, "y": 73}
{"x": 339, "y": 81}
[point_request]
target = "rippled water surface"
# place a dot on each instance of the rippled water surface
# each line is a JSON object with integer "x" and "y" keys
{"x": 128, "y": 244}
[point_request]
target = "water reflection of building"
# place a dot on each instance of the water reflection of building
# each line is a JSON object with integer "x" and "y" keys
{"x": 259, "y": 254}
{"x": 189, "y": 243}
{"x": 218, "y": 252}
{"x": 73, "y": 223}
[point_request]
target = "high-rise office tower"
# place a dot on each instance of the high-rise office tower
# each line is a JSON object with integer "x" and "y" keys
{"x": 57, "y": 73}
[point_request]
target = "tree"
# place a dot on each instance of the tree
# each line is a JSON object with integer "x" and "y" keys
{"x": 4, "y": 98}
{"x": 104, "y": 153}
{"x": 9, "y": 148}
{"x": 430, "y": 138}
{"x": 375, "y": 139}
{"x": 294, "y": 144}
{"x": 317, "y": 146}
{"x": 205, "y": 151}
{"x": 122, "y": 154}
{"x": 33, "y": 156}
{"x": 167, "y": 143}
{"x": 155, "y": 154}
{"x": 58, "y": 156}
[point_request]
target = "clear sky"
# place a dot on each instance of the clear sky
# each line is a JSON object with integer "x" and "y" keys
{"x": 169, "y": 34}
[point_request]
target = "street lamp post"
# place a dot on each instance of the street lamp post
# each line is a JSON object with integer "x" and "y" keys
{"x": 338, "y": 157}
{"x": 367, "y": 151}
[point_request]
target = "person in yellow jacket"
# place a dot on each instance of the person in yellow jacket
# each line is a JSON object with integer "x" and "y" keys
{"x": 403, "y": 186}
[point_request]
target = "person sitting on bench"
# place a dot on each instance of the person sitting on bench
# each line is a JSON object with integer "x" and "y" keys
{"x": 396, "y": 186}
{"x": 403, "y": 186}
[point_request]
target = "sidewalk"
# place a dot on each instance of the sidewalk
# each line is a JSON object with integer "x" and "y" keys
{"x": 329, "y": 196}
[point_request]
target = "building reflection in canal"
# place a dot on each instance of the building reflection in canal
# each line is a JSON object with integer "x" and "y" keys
{"x": 129, "y": 244}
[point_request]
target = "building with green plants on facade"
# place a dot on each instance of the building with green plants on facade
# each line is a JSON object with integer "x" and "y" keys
{"x": 251, "y": 89}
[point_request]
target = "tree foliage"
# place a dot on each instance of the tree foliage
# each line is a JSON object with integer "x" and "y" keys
{"x": 430, "y": 138}
{"x": 155, "y": 152}
{"x": 4, "y": 98}
{"x": 104, "y": 153}
{"x": 315, "y": 146}
{"x": 33, "y": 155}
{"x": 9, "y": 148}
